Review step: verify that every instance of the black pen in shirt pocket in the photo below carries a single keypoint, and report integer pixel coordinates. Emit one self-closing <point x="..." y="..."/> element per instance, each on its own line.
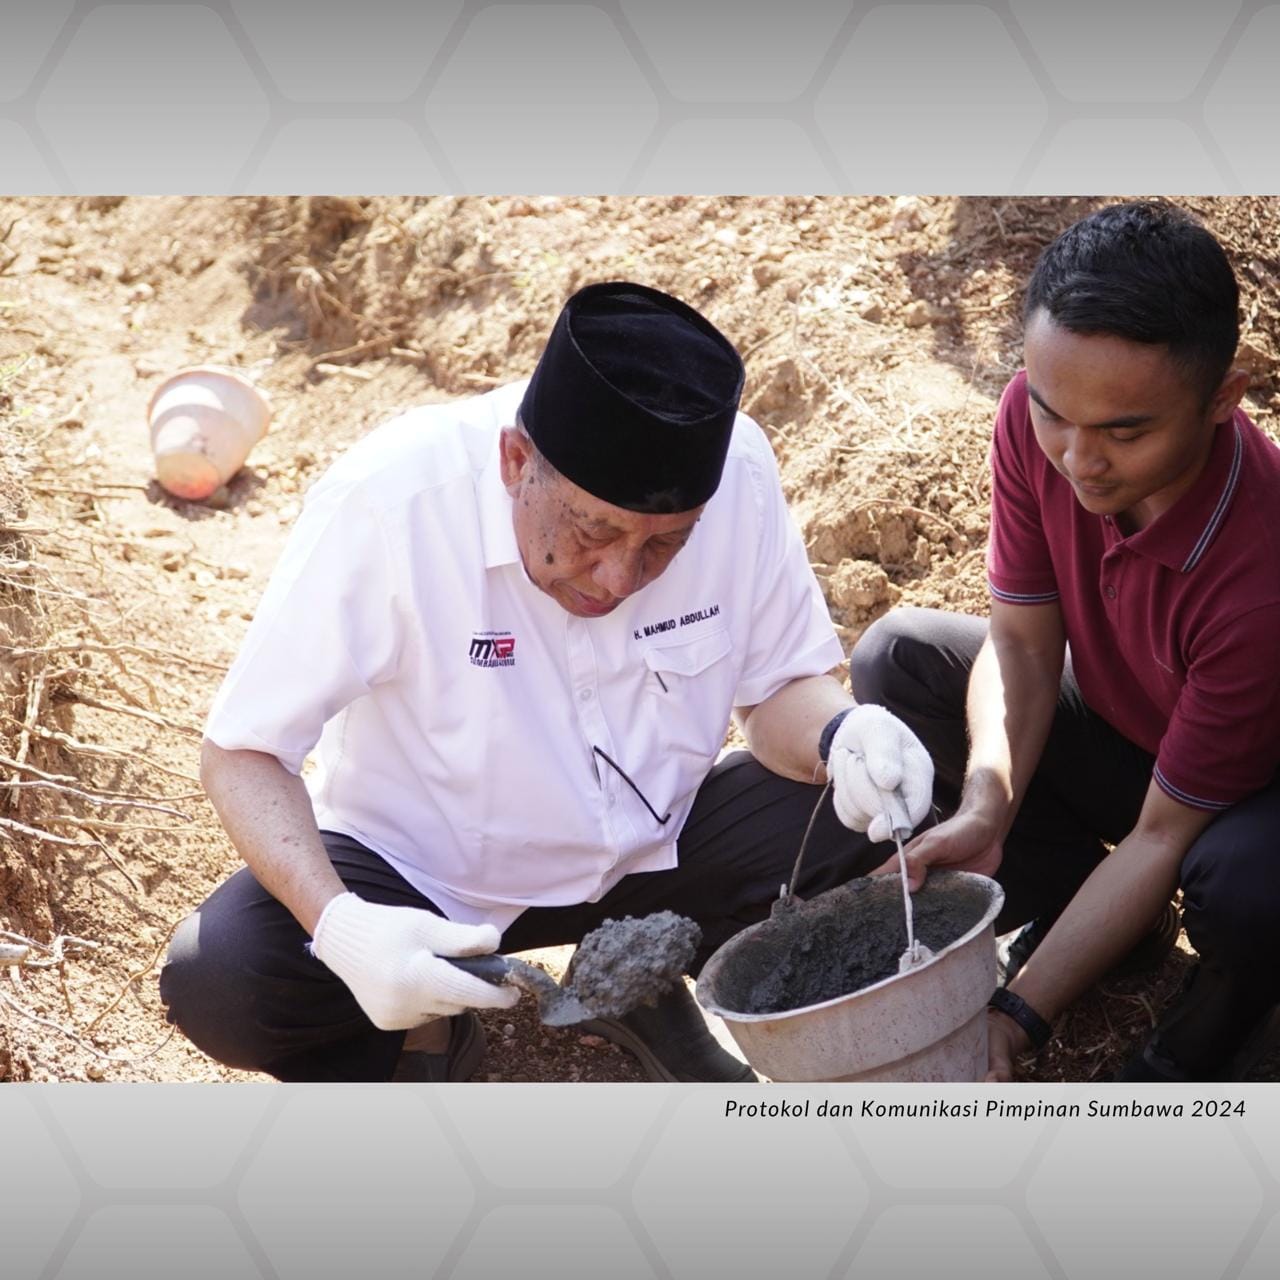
<point x="661" y="820"/>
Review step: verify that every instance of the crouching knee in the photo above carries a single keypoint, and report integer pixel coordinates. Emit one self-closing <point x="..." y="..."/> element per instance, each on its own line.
<point x="1230" y="909"/>
<point x="210" y="994"/>
<point x="881" y="669"/>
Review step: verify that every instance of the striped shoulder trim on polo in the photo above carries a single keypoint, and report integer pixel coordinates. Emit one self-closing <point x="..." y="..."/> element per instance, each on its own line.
<point x="1220" y="511"/>
<point x="1013" y="597"/>
<point x="1185" y="797"/>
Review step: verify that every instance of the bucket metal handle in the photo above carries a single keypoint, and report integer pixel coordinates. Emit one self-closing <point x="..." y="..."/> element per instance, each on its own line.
<point x="896" y="812"/>
<point x="789" y="890"/>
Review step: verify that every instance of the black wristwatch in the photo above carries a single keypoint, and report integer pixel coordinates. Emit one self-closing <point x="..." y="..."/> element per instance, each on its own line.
<point x="1015" y="1007"/>
<point x="829" y="732"/>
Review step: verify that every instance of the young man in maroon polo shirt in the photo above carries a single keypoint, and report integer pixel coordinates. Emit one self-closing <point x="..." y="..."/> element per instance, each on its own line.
<point x="1126" y="691"/>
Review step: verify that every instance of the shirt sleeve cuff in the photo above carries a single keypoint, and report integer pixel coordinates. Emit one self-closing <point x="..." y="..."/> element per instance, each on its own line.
<point x="231" y="737"/>
<point x="817" y="661"/>
<point x="1185" y="794"/>
<point x="1010" y="592"/>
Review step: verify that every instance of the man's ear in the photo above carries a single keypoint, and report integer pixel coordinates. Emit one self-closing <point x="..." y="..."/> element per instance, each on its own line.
<point x="1226" y="400"/>
<point x="515" y="456"/>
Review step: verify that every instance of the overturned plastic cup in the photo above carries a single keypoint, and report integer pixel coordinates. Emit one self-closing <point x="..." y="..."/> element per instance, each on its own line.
<point x="204" y="421"/>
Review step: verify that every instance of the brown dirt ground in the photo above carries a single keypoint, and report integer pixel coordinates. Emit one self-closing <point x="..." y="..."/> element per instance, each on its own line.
<point x="877" y="333"/>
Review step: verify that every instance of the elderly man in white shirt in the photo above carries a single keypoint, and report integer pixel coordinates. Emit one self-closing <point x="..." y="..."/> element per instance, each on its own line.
<point x="514" y="630"/>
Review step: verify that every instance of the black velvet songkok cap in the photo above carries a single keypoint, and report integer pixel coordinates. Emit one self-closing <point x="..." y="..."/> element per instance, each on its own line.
<point x="634" y="398"/>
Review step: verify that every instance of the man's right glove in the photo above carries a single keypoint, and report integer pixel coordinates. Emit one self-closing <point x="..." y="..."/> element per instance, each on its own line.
<point x="873" y="752"/>
<point x="389" y="957"/>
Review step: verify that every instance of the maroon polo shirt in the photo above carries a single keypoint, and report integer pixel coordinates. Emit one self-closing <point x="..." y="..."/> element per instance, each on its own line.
<point x="1174" y="630"/>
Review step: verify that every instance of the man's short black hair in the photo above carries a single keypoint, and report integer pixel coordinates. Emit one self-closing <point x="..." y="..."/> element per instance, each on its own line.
<point x="1149" y="272"/>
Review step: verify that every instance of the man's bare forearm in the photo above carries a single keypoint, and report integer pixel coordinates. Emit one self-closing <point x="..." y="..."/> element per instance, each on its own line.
<point x="1013" y="690"/>
<point x="267" y="813"/>
<point x="783" y="730"/>
<point x="1114" y="907"/>
<point x="1108" y="915"/>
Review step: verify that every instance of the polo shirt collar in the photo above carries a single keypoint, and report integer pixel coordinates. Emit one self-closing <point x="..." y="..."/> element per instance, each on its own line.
<point x="497" y="529"/>
<point x="1179" y="538"/>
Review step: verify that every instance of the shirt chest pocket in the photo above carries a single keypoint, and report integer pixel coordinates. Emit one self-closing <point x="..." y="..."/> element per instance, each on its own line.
<point x="689" y="688"/>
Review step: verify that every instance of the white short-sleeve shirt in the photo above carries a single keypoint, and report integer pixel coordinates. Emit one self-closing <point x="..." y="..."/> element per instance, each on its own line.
<point x="460" y="712"/>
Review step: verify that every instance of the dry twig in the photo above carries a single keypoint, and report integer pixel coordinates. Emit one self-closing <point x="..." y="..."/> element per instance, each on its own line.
<point x="150" y="651"/>
<point x="120" y="1059"/>
<point x="55" y="953"/>
<point x="106" y="801"/>
<point x="107" y="753"/>
<point x="45" y="837"/>
<point x="90" y="493"/>
<point x="99" y="793"/>
<point x="151" y="717"/>
<point x="35" y="693"/>
<point x="134" y="977"/>
<point x="358" y="348"/>
<point x="103" y="824"/>
<point x="915" y="511"/>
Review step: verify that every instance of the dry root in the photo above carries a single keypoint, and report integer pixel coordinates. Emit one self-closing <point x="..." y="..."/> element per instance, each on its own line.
<point x="71" y="785"/>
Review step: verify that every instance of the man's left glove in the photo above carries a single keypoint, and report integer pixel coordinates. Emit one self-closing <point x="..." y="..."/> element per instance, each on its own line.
<point x="872" y="752"/>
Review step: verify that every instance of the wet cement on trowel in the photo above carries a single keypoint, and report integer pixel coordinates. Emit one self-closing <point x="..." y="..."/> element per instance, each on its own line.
<point x="629" y="962"/>
<point x="841" y="941"/>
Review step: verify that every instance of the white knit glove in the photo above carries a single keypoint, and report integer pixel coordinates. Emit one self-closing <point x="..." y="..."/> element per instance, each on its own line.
<point x="872" y="753"/>
<point x="390" y="959"/>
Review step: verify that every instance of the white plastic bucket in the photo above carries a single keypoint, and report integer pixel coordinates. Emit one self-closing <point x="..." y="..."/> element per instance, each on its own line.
<point x="928" y="1024"/>
<point x="204" y="421"/>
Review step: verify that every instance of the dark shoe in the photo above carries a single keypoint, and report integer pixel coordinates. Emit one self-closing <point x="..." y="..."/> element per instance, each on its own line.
<point x="1151" y="1065"/>
<point x="1262" y="1040"/>
<point x="458" y="1062"/>
<point x="1212" y="1031"/>
<point x="671" y="1041"/>
<point x="1148" y="952"/>
<point x="1015" y="949"/>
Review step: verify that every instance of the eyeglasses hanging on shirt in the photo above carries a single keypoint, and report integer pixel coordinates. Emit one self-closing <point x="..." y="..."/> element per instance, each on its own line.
<point x="622" y="773"/>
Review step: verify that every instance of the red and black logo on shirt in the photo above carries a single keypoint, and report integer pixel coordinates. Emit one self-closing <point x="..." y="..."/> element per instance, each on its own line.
<point x="493" y="649"/>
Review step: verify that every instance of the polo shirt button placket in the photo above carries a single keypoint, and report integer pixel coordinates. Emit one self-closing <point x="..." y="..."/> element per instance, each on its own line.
<point x="582" y="668"/>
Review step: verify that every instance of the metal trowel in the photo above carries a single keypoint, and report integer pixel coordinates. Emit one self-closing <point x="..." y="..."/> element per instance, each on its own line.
<point x="895" y="810"/>
<point x="557" y="1006"/>
<point x="618" y="965"/>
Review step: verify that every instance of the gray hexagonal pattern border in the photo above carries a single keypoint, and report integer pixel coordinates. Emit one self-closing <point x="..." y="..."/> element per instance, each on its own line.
<point x="644" y="1180"/>
<point x="623" y="96"/>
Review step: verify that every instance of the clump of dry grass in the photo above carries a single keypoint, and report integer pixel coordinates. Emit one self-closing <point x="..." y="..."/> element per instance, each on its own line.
<point x="24" y="623"/>
<point x="362" y="274"/>
<point x="66" y="799"/>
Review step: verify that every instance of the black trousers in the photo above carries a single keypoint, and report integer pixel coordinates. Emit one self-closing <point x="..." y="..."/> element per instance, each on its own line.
<point x="240" y="982"/>
<point x="1088" y="789"/>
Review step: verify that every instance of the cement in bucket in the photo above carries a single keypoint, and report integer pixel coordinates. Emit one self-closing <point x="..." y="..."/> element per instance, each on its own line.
<point x="928" y="1024"/>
